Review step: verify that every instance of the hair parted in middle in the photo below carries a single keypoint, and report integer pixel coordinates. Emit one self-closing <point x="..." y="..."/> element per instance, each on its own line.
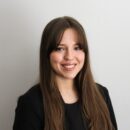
<point x="94" y="108"/>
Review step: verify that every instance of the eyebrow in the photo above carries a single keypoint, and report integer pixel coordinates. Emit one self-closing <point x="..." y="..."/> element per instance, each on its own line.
<point x="62" y="44"/>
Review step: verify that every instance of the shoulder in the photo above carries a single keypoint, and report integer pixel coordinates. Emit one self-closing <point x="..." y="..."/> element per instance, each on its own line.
<point x="101" y="87"/>
<point x="103" y="90"/>
<point x="31" y="100"/>
<point x="34" y="93"/>
<point x="105" y="93"/>
<point x="29" y="111"/>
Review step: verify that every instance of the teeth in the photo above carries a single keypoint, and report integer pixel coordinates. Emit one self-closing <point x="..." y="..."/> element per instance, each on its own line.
<point x="68" y="66"/>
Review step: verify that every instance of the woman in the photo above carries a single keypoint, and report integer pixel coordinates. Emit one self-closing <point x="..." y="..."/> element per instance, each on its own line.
<point x="67" y="97"/>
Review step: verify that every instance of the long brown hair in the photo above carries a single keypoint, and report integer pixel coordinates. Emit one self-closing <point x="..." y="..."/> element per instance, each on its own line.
<point x="94" y="108"/>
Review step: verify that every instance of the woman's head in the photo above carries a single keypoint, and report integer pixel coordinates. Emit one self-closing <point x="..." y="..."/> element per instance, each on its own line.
<point x="67" y="59"/>
<point x="52" y="38"/>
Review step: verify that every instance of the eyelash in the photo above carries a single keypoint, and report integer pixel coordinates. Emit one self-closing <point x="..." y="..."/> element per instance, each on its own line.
<point x="62" y="48"/>
<point x="78" y="48"/>
<point x="59" y="48"/>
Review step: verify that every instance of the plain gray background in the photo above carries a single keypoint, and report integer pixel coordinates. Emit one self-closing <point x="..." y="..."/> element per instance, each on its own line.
<point x="107" y="25"/>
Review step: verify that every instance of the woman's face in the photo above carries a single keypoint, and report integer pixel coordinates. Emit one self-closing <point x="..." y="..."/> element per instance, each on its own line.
<point x="68" y="58"/>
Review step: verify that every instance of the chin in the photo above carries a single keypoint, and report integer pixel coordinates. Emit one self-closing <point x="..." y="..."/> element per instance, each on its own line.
<point x="70" y="77"/>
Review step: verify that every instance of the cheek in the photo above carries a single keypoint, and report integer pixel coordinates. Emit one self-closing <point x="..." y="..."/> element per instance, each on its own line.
<point x="81" y="57"/>
<point x="55" y="58"/>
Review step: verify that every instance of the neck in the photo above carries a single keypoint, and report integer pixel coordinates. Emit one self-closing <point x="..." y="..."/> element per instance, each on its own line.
<point x="67" y="89"/>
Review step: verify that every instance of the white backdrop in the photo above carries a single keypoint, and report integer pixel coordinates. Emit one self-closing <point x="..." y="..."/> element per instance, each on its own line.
<point x="107" y="25"/>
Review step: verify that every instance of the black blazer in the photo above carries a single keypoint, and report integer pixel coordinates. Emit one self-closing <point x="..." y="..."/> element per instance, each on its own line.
<point x="29" y="112"/>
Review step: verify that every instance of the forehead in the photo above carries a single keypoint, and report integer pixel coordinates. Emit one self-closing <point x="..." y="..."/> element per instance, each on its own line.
<point x="69" y="35"/>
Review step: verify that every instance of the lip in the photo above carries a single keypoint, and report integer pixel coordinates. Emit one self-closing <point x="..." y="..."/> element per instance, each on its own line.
<point x="68" y="67"/>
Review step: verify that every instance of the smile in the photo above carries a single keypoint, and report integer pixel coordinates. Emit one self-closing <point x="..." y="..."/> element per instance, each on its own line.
<point x="68" y="67"/>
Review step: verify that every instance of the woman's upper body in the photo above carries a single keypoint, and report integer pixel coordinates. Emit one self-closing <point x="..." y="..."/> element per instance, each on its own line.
<point x="69" y="96"/>
<point x="30" y="114"/>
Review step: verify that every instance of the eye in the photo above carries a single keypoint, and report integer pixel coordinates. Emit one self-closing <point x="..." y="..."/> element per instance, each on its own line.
<point x="59" y="49"/>
<point x="78" y="48"/>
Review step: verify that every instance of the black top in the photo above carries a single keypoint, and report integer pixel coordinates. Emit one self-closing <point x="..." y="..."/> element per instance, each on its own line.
<point x="73" y="116"/>
<point x="29" y="111"/>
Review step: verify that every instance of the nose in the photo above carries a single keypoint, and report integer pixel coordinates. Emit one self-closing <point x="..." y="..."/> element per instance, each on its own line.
<point x="69" y="55"/>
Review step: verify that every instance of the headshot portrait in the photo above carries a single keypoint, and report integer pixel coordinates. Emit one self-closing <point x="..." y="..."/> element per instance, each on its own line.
<point x="64" y="65"/>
